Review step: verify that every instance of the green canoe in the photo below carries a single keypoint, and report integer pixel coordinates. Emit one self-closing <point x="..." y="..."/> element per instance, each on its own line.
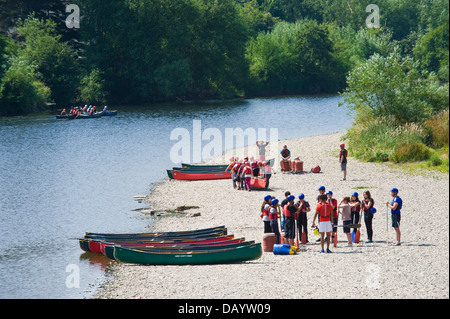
<point x="221" y="256"/>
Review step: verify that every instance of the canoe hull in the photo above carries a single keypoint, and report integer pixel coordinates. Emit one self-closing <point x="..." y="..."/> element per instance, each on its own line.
<point x="258" y="183"/>
<point x="194" y="176"/>
<point x="240" y="254"/>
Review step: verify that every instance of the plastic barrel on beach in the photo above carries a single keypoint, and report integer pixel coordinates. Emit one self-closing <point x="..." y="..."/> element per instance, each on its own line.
<point x="298" y="166"/>
<point x="286" y="166"/>
<point x="269" y="240"/>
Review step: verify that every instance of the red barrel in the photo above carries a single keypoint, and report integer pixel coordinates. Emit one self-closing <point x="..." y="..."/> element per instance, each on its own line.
<point x="269" y="240"/>
<point x="286" y="166"/>
<point x="298" y="166"/>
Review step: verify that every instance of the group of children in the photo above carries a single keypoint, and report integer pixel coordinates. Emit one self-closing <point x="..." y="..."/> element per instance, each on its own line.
<point x="327" y="214"/>
<point x="243" y="170"/>
<point x="87" y="110"/>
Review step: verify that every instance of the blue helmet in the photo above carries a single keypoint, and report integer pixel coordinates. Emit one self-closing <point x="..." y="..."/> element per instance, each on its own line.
<point x="394" y="190"/>
<point x="301" y="196"/>
<point x="373" y="210"/>
<point x="290" y="198"/>
<point x="355" y="194"/>
<point x="275" y="201"/>
<point x="321" y="188"/>
<point x="330" y="192"/>
<point x="267" y="198"/>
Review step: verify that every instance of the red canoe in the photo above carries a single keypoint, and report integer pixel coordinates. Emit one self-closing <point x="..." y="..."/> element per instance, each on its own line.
<point x="97" y="247"/>
<point x="163" y="245"/>
<point x="258" y="183"/>
<point x="183" y="176"/>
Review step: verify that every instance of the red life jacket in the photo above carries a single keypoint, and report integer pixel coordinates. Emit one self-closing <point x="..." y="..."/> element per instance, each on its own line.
<point x="325" y="211"/>
<point x="272" y="216"/>
<point x="247" y="170"/>
<point x="285" y="153"/>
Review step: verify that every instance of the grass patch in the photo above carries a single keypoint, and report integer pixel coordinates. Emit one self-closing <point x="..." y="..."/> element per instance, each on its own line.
<point x="364" y="187"/>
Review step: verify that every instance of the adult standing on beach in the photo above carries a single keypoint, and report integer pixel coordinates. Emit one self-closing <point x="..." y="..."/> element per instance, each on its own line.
<point x="367" y="205"/>
<point x="262" y="150"/>
<point x="324" y="211"/>
<point x="396" y="206"/>
<point x="343" y="160"/>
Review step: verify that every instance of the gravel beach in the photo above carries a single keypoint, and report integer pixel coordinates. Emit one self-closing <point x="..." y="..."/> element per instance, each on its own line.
<point x="419" y="268"/>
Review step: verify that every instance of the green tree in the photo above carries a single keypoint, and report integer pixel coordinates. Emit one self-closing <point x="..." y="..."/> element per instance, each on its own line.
<point x="394" y="86"/>
<point x="56" y="62"/>
<point x="293" y="58"/>
<point x="92" y="89"/>
<point x="20" y="90"/>
<point x="432" y="50"/>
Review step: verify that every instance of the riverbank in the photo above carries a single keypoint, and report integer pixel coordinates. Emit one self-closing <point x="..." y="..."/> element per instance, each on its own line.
<point x="416" y="269"/>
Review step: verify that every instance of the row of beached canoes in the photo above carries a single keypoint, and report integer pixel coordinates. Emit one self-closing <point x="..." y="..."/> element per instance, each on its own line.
<point x="210" y="172"/>
<point x="205" y="246"/>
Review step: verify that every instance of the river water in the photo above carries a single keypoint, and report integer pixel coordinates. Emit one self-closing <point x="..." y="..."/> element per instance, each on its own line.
<point x="59" y="179"/>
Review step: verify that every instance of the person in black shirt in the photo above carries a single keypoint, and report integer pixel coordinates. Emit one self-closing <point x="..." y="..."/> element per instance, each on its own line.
<point x="343" y="160"/>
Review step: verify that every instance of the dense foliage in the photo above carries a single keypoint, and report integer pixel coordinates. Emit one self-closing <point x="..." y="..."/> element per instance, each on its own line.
<point x="394" y="78"/>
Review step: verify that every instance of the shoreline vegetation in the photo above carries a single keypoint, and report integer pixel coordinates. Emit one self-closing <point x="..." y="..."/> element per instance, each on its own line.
<point x="394" y="78"/>
<point x="364" y="271"/>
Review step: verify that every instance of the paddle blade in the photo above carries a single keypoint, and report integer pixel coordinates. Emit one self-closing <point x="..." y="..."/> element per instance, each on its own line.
<point x="335" y="239"/>
<point x="353" y="236"/>
<point x="357" y="236"/>
<point x="304" y="238"/>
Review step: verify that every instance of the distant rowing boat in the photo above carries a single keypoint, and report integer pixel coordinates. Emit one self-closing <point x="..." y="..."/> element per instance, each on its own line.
<point x="86" y="116"/>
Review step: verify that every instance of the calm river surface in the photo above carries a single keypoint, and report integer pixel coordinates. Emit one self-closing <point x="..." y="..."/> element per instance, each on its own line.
<point x="59" y="179"/>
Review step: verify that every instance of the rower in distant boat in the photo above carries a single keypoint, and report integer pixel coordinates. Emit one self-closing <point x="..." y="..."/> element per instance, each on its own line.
<point x="64" y="112"/>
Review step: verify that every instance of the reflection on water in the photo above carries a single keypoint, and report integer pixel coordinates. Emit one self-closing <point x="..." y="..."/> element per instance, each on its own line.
<point x="59" y="179"/>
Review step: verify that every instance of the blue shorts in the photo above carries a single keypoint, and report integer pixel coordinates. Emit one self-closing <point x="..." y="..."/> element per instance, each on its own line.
<point x="396" y="218"/>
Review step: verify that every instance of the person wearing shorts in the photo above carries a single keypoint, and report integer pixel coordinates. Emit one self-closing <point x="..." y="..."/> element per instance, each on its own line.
<point x="345" y="211"/>
<point x="343" y="160"/>
<point x="325" y="212"/>
<point x="396" y="205"/>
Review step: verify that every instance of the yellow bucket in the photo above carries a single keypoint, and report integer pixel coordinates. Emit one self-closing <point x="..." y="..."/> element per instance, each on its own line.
<point x="316" y="231"/>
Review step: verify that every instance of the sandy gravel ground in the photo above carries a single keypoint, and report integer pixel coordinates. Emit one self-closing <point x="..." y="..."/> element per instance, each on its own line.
<point x="419" y="268"/>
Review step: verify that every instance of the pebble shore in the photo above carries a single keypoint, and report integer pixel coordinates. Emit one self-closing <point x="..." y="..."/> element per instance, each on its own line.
<point x="419" y="268"/>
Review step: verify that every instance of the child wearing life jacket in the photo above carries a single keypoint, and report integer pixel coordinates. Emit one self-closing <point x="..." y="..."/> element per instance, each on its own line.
<point x="325" y="212"/>
<point x="274" y="215"/>
<point x="333" y="202"/>
<point x="265" y="210"/>
<point x="367" y="205"/>
<point x="247" y="173"/>
<point x="289" y="227"/>
<point x="355" y="203"/>
<point x="302" y="220"/>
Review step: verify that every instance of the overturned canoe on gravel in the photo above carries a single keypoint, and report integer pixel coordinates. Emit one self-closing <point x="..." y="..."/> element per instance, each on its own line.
<point x="204" y="257"/>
